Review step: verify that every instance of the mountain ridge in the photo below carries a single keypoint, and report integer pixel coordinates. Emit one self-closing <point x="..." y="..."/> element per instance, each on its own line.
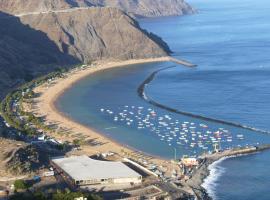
<point x="114" y="35"/>
<point x="138" y="8"/>
<point x="34" y="45"/>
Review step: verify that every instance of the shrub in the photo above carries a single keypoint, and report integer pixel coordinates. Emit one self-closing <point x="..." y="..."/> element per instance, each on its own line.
<point x="20" y="184"/>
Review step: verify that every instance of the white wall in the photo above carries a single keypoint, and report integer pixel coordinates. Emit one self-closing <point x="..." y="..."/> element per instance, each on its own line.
<point x="128" y="180"/>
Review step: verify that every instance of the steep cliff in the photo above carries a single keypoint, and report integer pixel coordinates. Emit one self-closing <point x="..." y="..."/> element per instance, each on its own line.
<point x="150" y="8"/>
<point x="97" y="33"/>
<point x="47" y="34"/>
<point x="141" y="8"/>
<point x="36" y="44"/>
<point x="25" y="53"/>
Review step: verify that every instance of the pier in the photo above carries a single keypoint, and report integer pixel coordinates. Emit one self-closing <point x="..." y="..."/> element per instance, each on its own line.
<point x="182" y="62"/>
<point x="235" y="152"/>
<point x="193" y="185"/>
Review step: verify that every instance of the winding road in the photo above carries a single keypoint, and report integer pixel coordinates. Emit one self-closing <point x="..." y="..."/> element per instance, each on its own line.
<point x="54" y="11"/>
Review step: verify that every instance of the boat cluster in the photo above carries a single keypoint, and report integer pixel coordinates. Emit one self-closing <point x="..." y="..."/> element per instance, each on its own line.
<point x="189" y="135"/>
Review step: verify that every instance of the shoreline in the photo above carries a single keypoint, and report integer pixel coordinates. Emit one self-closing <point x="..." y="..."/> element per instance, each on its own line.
<point x="203" y="172"/>
<point x="48" y="98"/>
<point x="45" y="106"/>
<point x="213" y="176"/>
<point x="125" y="146"/>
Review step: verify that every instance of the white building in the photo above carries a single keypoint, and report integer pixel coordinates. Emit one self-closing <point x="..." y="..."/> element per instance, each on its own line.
<point x="82" y="170"/>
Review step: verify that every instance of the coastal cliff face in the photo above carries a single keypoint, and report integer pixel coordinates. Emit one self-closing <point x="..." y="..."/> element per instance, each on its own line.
<point x="25" y="53"/>
<point x="97" y="33"/>
<point x="140" y="8"/>
<point x="152" y="8"/>
<point x="36" y="44"/>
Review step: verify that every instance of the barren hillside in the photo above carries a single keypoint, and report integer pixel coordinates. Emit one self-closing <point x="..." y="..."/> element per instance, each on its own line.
<point x="141" y="8"/>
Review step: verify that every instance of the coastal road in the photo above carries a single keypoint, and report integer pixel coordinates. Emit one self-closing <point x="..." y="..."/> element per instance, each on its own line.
<point x="4" y="16"/>
<point x="54" y="11"/>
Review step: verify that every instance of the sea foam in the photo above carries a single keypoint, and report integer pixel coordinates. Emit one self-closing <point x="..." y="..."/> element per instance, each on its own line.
<point x="215" y="172"/>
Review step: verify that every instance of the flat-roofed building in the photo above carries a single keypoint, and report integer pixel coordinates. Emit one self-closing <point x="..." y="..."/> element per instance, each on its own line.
<point x="82" y="170"/>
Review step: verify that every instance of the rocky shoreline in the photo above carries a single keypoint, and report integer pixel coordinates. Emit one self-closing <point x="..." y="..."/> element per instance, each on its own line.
<point x="202" y="171"/>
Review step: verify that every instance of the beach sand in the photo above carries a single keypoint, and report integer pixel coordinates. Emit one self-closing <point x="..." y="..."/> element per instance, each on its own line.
<point x="44" y="105"/>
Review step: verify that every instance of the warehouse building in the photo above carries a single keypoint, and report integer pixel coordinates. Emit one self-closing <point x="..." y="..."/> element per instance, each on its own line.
<point x="82" y="170"/>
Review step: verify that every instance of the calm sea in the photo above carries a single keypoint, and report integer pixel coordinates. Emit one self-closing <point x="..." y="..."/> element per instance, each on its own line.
<point x="230" y="42"/>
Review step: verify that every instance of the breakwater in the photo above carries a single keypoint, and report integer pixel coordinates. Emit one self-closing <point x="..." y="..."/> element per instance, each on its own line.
<point x="150" y="78"/>
<point x="202" y="171"/>
<point x="182" y="62"/>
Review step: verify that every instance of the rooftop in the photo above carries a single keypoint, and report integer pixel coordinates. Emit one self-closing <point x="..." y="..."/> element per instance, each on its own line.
<point x="85" y="168"/>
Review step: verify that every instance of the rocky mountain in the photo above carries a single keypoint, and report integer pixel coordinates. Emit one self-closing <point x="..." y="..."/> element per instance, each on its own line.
<point x="149" y="8"/>
<point x="38" y="43"/>
<point x="37" y="36"/>
<point x="25" y="53"/>
<point x="139" y="8"/>
<point x="97" y="33"/>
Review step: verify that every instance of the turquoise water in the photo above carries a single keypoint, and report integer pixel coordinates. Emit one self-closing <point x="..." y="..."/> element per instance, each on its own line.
<point x="115" y="91"/>
<point x="230" y="43"/>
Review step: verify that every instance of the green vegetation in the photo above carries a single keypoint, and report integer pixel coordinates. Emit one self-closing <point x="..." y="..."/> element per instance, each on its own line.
<point x="39" y="196"/>
<point x="67" y="195"/>
<point x="63" y="146"/>
<point x="59" y="195"/>
<point x="25" y="160"/>
<point x="78" y="142"/>
<point x="10" y="107"/>
<point x="21" y="185"/>
<point x="11" y="114"/>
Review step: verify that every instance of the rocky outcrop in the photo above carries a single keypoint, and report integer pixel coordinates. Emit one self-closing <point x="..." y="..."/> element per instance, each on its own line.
<point x="140" y="8"/>
<point x="25" y="53"/>
<point x="33" y="45"/>
<point x="151" y="8"/>
<point x="98" y="33"/>
<point x="37" y="43"/>
<point x="22" y="160"/>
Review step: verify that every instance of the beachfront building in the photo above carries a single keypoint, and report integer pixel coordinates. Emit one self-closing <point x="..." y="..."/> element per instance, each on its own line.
<point x="190" y="162"/>
<point x="82" y="171"/>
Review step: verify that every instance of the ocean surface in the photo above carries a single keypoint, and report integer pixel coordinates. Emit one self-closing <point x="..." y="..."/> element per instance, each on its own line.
<point x="230" y="42"/>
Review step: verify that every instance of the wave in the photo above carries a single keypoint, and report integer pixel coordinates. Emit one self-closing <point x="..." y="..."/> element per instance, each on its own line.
<point x="215" y="172"/>
<point x="141" y="92"/>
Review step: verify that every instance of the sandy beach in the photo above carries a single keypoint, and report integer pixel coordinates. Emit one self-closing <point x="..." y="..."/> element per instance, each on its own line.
<point x="44" y="106"/>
